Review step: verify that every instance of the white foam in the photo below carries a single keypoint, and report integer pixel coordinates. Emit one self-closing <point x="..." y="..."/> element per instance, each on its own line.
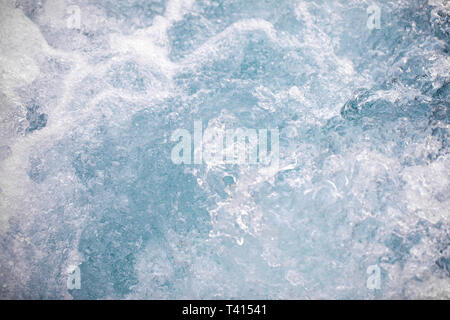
<point x="20" y="42"/>
<point x="427" y="189"/>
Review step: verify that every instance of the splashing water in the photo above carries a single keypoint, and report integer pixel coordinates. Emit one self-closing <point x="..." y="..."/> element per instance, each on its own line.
<point x="91" y="91"/>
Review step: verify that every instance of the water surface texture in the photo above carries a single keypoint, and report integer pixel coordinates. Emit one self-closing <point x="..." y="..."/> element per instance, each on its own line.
<point x="91" y="92"/>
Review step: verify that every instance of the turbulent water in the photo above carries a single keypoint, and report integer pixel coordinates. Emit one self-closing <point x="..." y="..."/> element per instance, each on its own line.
<point x="91" y="92"/>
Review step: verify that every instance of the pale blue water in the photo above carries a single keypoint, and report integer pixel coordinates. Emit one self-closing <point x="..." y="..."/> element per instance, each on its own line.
<point x="86" y="177"/>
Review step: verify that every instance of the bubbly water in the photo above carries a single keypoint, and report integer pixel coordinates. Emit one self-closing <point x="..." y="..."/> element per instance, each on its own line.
<point x="91" y="91"/>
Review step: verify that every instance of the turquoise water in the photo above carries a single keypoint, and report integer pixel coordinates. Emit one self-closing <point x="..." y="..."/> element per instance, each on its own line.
<point x="86" y="178"/>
